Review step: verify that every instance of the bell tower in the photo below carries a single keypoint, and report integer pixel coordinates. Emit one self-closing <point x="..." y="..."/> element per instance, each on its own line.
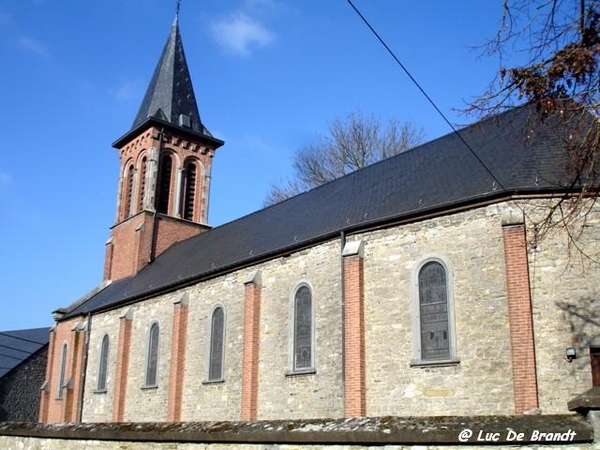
<point x="165" y="166"/>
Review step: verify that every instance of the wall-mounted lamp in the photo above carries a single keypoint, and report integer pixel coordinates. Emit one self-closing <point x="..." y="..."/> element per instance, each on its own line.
<point x="570" y="354"/>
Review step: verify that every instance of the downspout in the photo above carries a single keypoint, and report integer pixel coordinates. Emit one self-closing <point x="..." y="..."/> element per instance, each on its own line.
<point x="86" y="350"/>
<point x="343" y="289"/>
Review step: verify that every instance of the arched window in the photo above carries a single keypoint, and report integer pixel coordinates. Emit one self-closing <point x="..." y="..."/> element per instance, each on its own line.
<point x="142" y="183"/>
<point x="189" y="190"/>
<point x="303" y="329"/>
<point x="152" y="361"/>
<point x="217" y="341"/>
<point x="103" y="365"/>
<point x="434" y="313"/>
<point x="163" y="195"/>
<point x="62" y="371"/>
<point x="127" y="206"/>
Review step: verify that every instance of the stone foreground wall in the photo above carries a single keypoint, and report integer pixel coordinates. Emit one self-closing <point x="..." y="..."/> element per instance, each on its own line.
<point x="556" y="431"/>
<point x="20" y="389"/>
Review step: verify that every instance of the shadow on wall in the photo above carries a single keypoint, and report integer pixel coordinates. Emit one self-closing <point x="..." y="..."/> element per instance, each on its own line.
<point x="584" y="320"/>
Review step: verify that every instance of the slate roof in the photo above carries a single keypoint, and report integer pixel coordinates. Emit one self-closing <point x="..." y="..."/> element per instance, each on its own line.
<point x="170" y="95"/>
<point x="525" y="157"/>
<point x="18" y="345"/>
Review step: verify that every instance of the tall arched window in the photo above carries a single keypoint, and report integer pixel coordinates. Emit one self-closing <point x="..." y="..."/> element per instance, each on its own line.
<point x="62" y="371"/>
<point x="163" y="195"/>
<point x="434" y="312"/>
<point x="103" y="365"/>
<point x="303" y="329"/>
<point x="142" y="183"/>
<point x="152" y="361"/>
<point x="128" y="195"/>
<point x="217" y="341"/>
<point x="189" y="190"/>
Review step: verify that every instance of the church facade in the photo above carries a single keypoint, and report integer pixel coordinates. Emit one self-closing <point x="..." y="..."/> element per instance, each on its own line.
<point x="418" y="286"/>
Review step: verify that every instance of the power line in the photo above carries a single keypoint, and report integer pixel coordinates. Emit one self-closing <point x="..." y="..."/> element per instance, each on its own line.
<point x="389" y="50"/>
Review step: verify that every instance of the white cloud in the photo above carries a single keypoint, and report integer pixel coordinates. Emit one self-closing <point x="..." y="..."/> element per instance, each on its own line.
<point x="241" y="34"/>
<point x="34" y="46"/>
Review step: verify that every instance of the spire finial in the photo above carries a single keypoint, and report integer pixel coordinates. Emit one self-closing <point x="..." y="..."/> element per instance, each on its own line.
<point x="177" y="8"/>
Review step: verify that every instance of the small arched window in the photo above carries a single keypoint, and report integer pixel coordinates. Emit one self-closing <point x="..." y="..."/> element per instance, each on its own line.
<point x="62" y="371"/>
<point x="303" y="329"/>
<point x="434" y="312"/>
<point x="217" y="341"/>
<point x="103" y="365"/>
<point x="189" y="190"/>
<point x="142" y="190"/>
<point x="152" y="361"/>
<point x="163" y="195"/>
<point x="128" y="204"/>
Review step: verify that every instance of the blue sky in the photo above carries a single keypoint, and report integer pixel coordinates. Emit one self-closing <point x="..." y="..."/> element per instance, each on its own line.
<point x="269" y="75"/>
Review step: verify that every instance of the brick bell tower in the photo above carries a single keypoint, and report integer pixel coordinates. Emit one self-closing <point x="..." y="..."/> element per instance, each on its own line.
<point x="165" y="167"/>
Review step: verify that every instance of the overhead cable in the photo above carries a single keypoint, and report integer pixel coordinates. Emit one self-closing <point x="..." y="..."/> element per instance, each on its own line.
<point x="416" y="83"/>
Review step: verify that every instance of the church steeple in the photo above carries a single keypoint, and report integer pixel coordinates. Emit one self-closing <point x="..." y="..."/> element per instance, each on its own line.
<point x="170" y="98"/>
<point x="166" y="160"/>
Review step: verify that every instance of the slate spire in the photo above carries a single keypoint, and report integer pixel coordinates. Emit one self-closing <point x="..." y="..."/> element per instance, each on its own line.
<point x="170" y="96"/>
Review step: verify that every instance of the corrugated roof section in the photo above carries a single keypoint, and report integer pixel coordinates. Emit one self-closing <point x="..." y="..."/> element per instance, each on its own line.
<point x="18" y="345"/>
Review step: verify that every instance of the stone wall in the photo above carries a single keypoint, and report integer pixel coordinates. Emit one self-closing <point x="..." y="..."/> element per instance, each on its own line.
<point x="565" y="292"/>
<point x="480" y="382"/>
<point x="391" y="433"/>
<point x="477" y="380"/>
<point x="20" y="389"/>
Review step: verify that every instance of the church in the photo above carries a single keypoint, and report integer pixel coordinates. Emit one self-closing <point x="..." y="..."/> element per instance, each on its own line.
<point x="418" y="286"/>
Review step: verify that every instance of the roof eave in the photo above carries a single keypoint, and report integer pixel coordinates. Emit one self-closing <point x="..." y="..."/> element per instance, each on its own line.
<point x="152" y="121"/>
<point x="432" y="211"/>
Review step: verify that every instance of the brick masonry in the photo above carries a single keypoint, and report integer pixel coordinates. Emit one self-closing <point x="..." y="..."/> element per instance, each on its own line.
<point x="139" y="234"/>
<point x="480" y="381"/>
<point x="520" y="317"/>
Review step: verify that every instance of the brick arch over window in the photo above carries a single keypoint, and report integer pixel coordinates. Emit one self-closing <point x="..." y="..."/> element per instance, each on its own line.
<point x="103" y="365"/>
<point x="435" y="334"/>
<point x="142" y="181"/>
<point x="303" y="329"/>
<point x="216" y="353"/>
<point x="151" y="379"/>
<point x="128" y="187"/>
<point x="191" y="189"/>
<point x="166" y="175"/>
<point x="62" y="369"/>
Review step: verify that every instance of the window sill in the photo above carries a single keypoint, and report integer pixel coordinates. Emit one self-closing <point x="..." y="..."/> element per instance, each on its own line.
<point x="221" y="381"/>
<point x="435" y="363"/>
<point x="144" y="388"/>
<point x="99" y="391"/>
<point x="294" y="373"/>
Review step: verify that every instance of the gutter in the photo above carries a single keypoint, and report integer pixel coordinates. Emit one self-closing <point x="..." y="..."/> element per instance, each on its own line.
<point x="361" y="227"/>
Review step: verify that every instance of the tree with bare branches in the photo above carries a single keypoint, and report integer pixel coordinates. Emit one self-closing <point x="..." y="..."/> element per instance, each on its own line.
<point x="560" y="76"/>
<point x="354" y="142"/>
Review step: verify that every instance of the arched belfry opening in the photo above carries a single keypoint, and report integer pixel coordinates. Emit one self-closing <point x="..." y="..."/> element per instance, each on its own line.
<point x="166" y="160"/>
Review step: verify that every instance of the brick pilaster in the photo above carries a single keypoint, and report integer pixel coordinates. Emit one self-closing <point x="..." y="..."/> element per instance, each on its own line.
<point x="123" y="352"/>
<point x="78" y="375"/>
<point x="178" y="347"/>
<point x="355" y="401"/>
<point x="252" y="299"/>
<point x="520" y="315"/>
<point x="46" y="388"/>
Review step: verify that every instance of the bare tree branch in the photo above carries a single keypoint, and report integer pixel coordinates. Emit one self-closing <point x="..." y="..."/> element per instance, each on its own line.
<point x="354" y="142"/>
